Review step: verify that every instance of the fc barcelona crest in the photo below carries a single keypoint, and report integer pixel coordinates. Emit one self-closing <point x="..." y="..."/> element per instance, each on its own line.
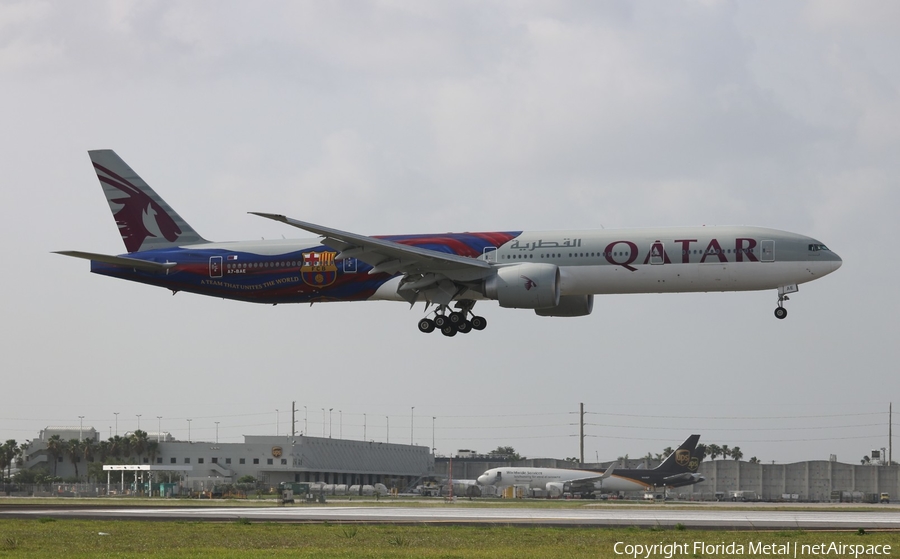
<point x="682" y="457"/>
<point x="318" y="269"/>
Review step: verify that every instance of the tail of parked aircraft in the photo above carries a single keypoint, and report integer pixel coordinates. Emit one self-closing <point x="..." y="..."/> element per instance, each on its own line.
<point x="145" y="220"/>
<point x="681" y="460"/>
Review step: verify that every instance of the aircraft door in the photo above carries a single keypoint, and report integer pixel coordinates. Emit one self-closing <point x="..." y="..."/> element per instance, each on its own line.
<point x="489" y="254"/>
<point x="767" y="251"/>
<point x="657" y="253"/>
<point x="215" y="266"/>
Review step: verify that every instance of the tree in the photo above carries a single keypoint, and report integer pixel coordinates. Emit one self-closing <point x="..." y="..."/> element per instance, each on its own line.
<point x="667" y="452"/>
<point x="736" y="453"/>
<point x="726" y="452"/>
<point x="8" y="452"/>
<point x="73" y="451"/>
<point x="55" y="448"/>
<point x="508" y="452"/>
<point x="754" y="460"/>
<point x="139" y="442"/>
<point x="714" y="451"/>
<point x="246" y="479"/>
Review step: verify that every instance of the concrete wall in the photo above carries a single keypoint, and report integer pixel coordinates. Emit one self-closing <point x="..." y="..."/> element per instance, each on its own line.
<point x="812" y="481"/>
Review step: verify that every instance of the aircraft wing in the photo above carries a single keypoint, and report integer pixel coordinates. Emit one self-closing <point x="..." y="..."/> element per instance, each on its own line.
<point x="591" y="480"/>
<point x="136" y="263"/>
<point x="434" y="275"/>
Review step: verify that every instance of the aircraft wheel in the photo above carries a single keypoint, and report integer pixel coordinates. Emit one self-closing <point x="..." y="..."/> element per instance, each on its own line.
<point x="457" y="318"/>
<point x="426" y="325"/>
<point x="479" y="323"/>
<point x="464" y="327"/>
<point x="448" y="330"/>
<point x="440" y="321"/>
<point x="780" y="313"/>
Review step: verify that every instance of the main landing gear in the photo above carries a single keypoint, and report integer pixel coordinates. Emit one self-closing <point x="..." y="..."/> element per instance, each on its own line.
<point x="451" y="323"/>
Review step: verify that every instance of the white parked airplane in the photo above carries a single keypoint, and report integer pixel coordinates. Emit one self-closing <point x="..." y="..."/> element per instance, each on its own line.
<point x="678" y="469"/>
<point x="554" y="273"/>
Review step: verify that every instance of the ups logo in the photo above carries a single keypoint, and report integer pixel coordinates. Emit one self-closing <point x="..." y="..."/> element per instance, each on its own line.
<point x="682" y="457"/>
<point x="276" y="451"/>
<point x="694" y="464"/>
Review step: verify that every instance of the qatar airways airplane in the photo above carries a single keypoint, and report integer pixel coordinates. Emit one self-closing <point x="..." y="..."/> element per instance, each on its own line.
<point x="678" y="469"/>
<point x="553" y="273"/>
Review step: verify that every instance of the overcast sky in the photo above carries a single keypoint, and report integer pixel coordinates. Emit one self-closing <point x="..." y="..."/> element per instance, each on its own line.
<point x="414" y="117"/>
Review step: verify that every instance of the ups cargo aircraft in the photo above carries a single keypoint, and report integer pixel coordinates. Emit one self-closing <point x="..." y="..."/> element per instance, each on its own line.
<point x="554" y="273"/>
<point x="680" y="468"/>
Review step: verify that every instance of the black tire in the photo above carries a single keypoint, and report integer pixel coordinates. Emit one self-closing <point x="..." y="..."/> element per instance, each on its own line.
<point x="441" y="320"/>
<point x="781" y="313"/>
<point x="448" y="330"/>
<point x="464" y="327"/>
<point x="457" y="318"/>
<point x="479" y="323"/>
<point x="426" y="325"/>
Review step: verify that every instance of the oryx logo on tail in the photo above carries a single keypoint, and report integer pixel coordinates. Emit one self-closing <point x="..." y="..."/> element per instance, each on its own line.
<point x="144" y="219"/>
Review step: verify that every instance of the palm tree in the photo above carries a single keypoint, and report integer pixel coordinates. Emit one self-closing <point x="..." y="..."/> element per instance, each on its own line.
<point x="726" y="452"/>
<point x="56" y="447"/>
<point x="667" y="452"/>
<point x="73" y="451"/>
<point x="104" y="449"/>
<point x="713" y="450"/>
<point x="754" y="460"/>
<point x="88" y="448"/>
<point x="736" y="453"/>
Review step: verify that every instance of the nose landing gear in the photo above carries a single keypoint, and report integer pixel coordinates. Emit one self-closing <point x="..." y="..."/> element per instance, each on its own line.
<point x="780" y="311"/>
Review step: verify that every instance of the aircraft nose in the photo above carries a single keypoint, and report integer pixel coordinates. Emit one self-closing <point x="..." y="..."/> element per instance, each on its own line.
<point x="836" y="263"/>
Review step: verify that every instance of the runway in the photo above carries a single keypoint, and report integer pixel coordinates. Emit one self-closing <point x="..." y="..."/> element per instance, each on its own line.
<point x="456" y="514"/>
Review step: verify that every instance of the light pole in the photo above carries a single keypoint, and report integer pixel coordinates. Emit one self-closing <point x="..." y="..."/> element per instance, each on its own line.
<point x="433" y="447"/>
<point x="217" y="432"/>
<point x="189" y="430"/>
<point x="305" y="418"/>
<point x="158" y="427"/>
<point x="341" y="424"/>
<point x="388" y="419"/>
<point x="80" y="427"/>
<point x="412" y="418"/>
<point x="364" y="426"/>
<point x="323" y="422"/>
<point x="115" y="413"/>
<point x="329" y="422"/>
<point x="276" y="422"/>
<point x="139" y="421"/>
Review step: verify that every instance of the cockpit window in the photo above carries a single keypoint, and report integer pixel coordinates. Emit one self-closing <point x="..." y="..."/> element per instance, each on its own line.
<point x="816" y="248"/>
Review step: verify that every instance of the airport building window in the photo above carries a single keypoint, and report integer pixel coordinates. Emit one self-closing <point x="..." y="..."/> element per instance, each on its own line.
<point x="228" y="460"/>
<point x="187" y="460"/>
<point x="269" y="461"/>
<point x="159" y="459"/>
<point x="242" y="461"/>
<point x="284" y="461"/>
<point x="172" y="460"/>
<point x="214" y="460"/>
<point x="256" y="460"/>
<point x="199" y="460"/>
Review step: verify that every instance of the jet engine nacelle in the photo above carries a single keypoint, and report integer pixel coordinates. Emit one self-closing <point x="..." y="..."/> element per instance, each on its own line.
<point x="570" y="305"/>
<point x="555" y="488"/>
<point x="525" y="286"/>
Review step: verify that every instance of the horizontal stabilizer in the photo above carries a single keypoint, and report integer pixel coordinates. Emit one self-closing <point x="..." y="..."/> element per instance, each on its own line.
<point x="144" y="265"/>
